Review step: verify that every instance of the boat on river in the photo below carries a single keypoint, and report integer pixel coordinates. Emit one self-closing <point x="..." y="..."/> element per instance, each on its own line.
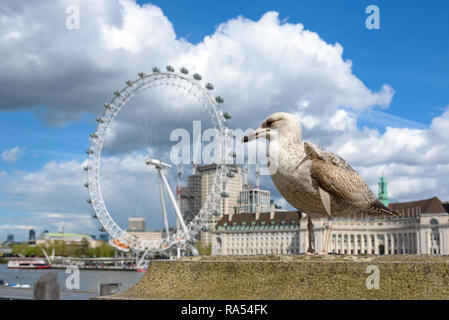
<point x="35" y="263"/>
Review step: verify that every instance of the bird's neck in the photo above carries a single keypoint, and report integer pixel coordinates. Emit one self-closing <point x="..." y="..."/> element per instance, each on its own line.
<point x="285" y="148"/>
<point x="287" y="139"/>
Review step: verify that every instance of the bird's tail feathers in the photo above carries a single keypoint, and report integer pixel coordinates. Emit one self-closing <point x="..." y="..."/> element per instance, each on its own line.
<point x="379" y="209"/>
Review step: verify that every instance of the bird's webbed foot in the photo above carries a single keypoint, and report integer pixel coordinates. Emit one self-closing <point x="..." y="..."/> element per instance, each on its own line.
<point x="310" y="252"/>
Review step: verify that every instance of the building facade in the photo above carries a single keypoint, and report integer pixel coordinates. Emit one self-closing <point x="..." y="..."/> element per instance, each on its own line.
<point x="31" y="237"/>
<point x="422" y="228"/>
<point x="274" y="232"/>
<point x="233" y="187"/>
<point x="190" y="204"/>
<point x="68" y="238"/>
<point x="136" y="224"/>
<point x="227" y="204"/>
<point x="253" y="199"/>
<point x="149" y="235"/>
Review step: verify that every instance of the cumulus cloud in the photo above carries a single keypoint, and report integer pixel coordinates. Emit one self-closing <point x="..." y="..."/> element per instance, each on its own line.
<point x="12" y="155"/>
<point x="259" y="67"/>
<point x="73" y="71"/>
<point x="397" y="145"/>
<point x="415" y="161"/>
<point x="17" y="227"/>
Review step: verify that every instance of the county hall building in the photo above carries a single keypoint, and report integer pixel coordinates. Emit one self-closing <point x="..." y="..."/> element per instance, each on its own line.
<point x="421" y="228"/>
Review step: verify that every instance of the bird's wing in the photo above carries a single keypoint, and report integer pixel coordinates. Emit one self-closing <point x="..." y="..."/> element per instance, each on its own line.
<point x="335" y="176"/>
<point x="315" y="152"/>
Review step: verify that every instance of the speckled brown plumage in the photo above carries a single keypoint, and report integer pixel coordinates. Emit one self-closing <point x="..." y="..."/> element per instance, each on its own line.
<point x="304" y="168"/>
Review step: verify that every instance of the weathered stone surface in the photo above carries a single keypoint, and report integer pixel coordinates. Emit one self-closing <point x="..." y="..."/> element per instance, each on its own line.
<point x="293" y="277"/>
<point x="47" y="287"/>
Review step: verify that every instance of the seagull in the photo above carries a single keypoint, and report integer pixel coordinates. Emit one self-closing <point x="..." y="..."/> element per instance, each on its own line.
<point x="313" y="180"/>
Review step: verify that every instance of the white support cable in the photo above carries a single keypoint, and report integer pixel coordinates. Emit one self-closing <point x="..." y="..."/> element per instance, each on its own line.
<point x="164" y="210"/>
<point x="143" y="258"/>
<point x="175" y="206"/>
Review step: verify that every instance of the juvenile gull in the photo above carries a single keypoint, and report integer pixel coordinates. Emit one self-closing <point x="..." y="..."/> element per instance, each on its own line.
<point x="313" y="180"/>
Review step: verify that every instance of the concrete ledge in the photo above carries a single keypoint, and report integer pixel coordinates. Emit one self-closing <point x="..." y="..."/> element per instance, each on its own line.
<point x="293" y="277"/>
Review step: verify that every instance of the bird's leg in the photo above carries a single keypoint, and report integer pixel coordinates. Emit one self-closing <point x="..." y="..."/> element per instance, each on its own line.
<point x="326" y="199"/>
<point x="328" y="236"/>
<point x="310" y="230"/>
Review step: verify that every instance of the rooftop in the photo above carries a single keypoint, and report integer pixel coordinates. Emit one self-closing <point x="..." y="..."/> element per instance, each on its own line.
<point x="446" y="205"/>
<point x="426" y="206"/>
<point x="248" y="221"/>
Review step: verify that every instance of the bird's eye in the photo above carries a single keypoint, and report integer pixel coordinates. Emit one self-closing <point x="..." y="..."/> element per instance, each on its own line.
<point x="269" y="123"/>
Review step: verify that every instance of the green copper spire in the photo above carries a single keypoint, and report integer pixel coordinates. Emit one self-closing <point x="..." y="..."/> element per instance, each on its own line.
<point x="383" y="192"/>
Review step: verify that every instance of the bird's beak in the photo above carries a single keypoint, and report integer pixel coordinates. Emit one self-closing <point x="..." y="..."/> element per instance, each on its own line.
<point x="259" y="133"/>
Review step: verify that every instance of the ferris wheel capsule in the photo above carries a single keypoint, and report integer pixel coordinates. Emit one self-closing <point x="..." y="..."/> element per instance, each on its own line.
<point x="209" y="86"/>
<point x="86" y="185"/>
<point x="107" y="105"/>
<point x="232" y="154"/>
<point x="117" y="93"/>
<point x="170" y="68"/>
<point x="128" y="82"/>
<point x="219" y="99"/>
<point x="141" y="75"/>
<point x="89" y="201"/>
<point x="225" y="194"/>
<point x="234" y="169"/>
<point x="156" y="70"/>
<point x="227" y="115"/>
<point x="94" y="216"/>
<point x="230" y="174"/>
<point x="184" y="70"/>
<point x="196" y="76"/>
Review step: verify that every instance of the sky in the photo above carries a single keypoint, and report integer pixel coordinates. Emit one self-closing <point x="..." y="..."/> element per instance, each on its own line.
<point x="377" y="97"/>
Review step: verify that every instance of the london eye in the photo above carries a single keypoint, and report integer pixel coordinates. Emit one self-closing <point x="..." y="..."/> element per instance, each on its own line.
<point x="129" y="168"/>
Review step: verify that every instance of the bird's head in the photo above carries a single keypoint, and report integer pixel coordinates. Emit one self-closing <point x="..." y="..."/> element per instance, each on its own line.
<point x="278" y="124"/>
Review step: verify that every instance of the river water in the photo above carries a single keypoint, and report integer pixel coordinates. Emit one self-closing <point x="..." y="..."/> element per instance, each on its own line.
<point x="89" y="280"/>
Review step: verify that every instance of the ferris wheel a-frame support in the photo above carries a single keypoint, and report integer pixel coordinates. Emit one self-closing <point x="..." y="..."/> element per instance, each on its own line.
<point x="160" y="166"/>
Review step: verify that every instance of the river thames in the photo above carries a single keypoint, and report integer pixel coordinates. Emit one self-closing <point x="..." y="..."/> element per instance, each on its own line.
<point x="90" y="281"/>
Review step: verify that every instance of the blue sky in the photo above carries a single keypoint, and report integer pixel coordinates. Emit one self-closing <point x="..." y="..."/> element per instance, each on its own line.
<point x="409" y="54"/>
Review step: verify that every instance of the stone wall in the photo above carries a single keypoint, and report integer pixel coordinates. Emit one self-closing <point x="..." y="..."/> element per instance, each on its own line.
<point x="294" y="277"/>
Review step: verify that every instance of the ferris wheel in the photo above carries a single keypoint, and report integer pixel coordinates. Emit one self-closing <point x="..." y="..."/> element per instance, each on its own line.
<point x="185" y="232"/>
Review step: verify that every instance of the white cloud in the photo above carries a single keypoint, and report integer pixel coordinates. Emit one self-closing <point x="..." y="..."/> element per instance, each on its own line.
<point x="415" y="161"/>
<point x="397" y="145"/>
<point x="13" y="154"/>
<point x="256" y="65"/>
<point x="16" y="227"/>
